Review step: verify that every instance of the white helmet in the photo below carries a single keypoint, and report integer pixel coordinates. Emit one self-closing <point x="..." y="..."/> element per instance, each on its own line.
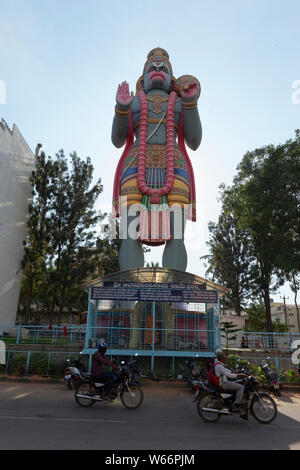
<point x="220" y="354"/>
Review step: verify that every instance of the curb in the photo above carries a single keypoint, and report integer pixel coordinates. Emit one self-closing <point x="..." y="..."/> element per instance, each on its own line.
<point x="144" y="383"/>
<point x="287" y="387"/>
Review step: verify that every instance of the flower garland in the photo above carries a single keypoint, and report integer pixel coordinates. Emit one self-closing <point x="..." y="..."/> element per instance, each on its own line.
<point x="156" y="193"/>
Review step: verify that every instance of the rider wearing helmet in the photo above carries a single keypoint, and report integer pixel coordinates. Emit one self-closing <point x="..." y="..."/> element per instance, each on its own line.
<point x="226" y="377"/>
<point x="98" y="372"/>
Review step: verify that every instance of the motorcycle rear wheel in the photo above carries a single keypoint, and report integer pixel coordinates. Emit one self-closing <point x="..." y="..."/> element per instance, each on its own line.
<point x="85" y="389"/>
<point x="207" y="401"/>
<point x="132" y="399"/>
<point x="267" y="415"/>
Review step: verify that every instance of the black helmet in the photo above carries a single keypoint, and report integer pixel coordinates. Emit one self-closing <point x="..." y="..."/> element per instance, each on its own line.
<point x="102" y="347"/>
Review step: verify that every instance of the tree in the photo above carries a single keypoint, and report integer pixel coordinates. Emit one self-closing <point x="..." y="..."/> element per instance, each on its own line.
<point x="61" y="237"/>
<point x="263" y="206"/>
<point x="108" y="247"/>
<point x="228" y="329"/>
<point x="72" y="218"/>
<point x="229" y="258"/>
<point x="266" y="202"/>
<point x="36" y="245"/>
<point x="294" y="278"/>
<point x="256" y="320"/>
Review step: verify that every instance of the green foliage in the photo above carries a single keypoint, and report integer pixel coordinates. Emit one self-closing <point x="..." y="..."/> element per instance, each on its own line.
<point x="60" y="248"/>
<point x="289" y="376"/>
<point x="229" y="258"/>
<point x="257" y="320"/>
<point x="262" y="207"/>
<point x="17" y="364"/>
<point x="108" y="247"/>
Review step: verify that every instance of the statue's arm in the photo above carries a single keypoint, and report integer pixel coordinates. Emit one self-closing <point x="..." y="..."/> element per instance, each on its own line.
<point x="121" y="119"/>
<point x="192" y="128"/>
<point x="119" y="130"/>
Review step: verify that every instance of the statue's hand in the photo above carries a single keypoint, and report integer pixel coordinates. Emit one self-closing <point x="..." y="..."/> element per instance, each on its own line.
<point x="124" y="97"/>
<point x="189" y="91"/>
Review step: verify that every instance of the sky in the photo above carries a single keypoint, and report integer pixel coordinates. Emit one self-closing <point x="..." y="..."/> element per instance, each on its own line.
<point x="62" y="60"/>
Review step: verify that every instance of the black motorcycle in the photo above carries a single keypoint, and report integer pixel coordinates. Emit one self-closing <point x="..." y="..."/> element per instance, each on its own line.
<point x="271" y="376"/>
<point x="134" y="370"/>
<point x="216" y="403"/>
<point x="90" y="391"/>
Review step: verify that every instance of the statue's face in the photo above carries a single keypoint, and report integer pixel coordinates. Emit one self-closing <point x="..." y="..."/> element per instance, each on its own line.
<point x="157" y="76"/>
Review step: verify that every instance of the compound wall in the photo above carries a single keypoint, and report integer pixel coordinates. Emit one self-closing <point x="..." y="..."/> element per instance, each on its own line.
<point x="16" y="165"/>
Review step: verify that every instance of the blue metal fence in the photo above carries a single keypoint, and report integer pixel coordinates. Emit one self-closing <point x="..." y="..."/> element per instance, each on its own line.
<point x="181" y="337"/>
<point x="43" y="334"/>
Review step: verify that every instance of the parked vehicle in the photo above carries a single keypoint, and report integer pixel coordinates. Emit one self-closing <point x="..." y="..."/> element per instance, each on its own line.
<point x="214" y="404"/>
<point x="194" y="378"/>
<point x="89" y="392"/>
<point x="73" y="371"/>
<point x="271" y="376"/>
<point x="193" y="371"/>
<point x="134" y="370"/>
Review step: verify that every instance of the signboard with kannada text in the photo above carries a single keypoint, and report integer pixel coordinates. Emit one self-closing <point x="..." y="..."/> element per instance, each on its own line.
<point x="154" y="292"/>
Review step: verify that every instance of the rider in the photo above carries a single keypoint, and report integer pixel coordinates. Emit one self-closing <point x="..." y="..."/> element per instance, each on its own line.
<point x="226" y="376"/>
<point x="98" y="372"/>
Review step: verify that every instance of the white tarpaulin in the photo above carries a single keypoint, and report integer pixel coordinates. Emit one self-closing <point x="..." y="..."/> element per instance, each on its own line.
<point x="16" y="165"/>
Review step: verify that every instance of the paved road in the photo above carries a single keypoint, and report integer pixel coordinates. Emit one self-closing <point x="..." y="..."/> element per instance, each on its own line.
<point x="45" y="416"/>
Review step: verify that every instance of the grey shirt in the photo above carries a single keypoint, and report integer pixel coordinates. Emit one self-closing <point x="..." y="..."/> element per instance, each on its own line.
<point x="223" y="373"/>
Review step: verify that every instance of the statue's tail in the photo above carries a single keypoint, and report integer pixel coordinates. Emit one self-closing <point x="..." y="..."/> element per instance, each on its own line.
<point x="116" y="189"/>
<point x="182" y="148"/>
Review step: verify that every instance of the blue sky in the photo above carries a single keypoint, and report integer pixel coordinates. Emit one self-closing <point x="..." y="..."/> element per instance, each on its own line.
<point x="62" y="61"/>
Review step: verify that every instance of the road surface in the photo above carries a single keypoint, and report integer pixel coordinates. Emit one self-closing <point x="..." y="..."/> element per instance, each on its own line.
<point x="46" y="416"/>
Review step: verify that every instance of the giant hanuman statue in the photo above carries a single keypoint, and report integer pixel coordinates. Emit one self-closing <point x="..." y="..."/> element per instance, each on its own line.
<point x="154" y="181"/>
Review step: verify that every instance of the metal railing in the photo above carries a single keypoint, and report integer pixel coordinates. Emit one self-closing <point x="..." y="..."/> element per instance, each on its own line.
<point x="175" y="339"/>
<point x="52" y="364"/>
<point x="43" y="334"/>
<point x="261" y="340"/>
<point x="181" y="338"/>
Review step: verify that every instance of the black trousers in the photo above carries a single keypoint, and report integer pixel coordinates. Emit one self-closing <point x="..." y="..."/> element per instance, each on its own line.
<point x="106" y="377"/>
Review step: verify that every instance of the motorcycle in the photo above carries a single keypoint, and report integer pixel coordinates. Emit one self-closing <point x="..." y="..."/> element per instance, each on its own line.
<point x="134" y="371"/>
<point x="90" y="391"/>
<point x="194" y="378"/>
<point x="271" y="376"/>
<point x="216" y="403"/>
<point x="73" y="371"/>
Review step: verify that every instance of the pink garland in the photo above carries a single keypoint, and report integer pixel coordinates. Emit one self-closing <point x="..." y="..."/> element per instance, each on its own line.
<point x="141" y="176"/>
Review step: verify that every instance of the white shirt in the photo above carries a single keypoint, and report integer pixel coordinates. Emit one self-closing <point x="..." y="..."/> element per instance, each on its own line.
<point x="223" y="373"/>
